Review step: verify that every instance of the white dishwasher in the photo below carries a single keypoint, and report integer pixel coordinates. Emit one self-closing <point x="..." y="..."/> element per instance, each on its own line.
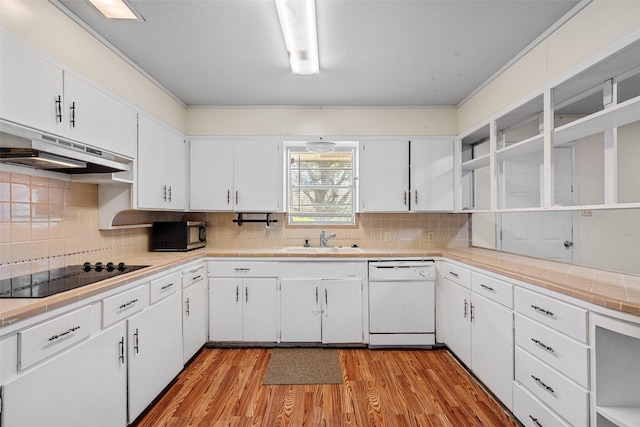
<point x="402" y="303"/>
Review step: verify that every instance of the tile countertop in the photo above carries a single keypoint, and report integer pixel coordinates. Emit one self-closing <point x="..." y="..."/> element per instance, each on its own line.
<point x="608" y="289"/>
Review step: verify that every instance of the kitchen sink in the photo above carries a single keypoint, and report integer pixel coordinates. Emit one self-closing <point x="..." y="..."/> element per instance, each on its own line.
<point x="321" y="250"/>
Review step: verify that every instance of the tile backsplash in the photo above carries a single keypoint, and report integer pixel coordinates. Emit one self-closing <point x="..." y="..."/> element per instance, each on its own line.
<point x="391" y="231"/>
<point x="48" y="223"/>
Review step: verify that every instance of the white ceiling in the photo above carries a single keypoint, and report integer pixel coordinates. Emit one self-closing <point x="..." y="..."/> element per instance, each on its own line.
<point x="372" y="52"/>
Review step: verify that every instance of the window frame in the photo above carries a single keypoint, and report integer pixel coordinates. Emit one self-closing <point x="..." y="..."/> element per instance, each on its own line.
<point x="299" y="146"/>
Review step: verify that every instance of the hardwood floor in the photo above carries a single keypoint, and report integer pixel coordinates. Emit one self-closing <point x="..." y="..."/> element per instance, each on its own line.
<point x="223" y="387"/>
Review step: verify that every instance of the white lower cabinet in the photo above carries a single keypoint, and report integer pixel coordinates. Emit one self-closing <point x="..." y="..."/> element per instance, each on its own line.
<point x="477" y="327"/>
<point x="195" y="311"/>
<point x="317" y="310"/>
<point x="155" y="351"/>
<point x="243" y="309"/>
<point x="84" y="386"/>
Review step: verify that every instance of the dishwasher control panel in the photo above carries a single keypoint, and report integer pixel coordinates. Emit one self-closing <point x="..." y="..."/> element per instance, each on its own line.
<point x="401" y="270"/>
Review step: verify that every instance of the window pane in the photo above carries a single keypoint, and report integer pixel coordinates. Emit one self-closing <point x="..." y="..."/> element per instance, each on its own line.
<point x="321" y="187"/>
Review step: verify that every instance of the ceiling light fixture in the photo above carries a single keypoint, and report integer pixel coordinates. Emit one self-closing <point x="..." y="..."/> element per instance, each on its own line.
<point x="298" y="24"/>
<point x="320" y="147"/>
<point x="115" y="9"/>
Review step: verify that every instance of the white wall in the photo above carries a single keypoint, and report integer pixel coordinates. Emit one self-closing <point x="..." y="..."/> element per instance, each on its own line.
<point x="322" y="121"/>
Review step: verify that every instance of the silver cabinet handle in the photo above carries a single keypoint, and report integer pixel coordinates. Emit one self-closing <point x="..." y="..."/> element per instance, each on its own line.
<point x="316" y="295"/>
<point x="535" y="421"/>
<point x="240" y="270"/>
<point x="228" y="196"/>
<point x="59" y="109"/>
<point x="136" y="343"/>
<point x="541" y="344"/>
<point x="456" y="275"/>
<point x="471" y="312"/>
<point x="67" y="332"/>
<point x="196" y="278"/>
<point x="128" y="304"/>
<point x="73" y="114"/>
<point x="416" y="197"/>
<point x="169" y="193"/>
<point x="165" y="287"/>
<point x="539" y="381"/>
<point x="326" y="298"/>
<point x="237" y="294"/>
<point x="246" y="295"/>
<point x="542" y="310"/>
<point x="488" y="288"/>
<point x="121" y="357"/>
<point x="236" y="197"/>
<point x="405" y="198"/>
<point x="187" y="304"/>
<point x="465" y="308"/>
<point x="164" y="193"/>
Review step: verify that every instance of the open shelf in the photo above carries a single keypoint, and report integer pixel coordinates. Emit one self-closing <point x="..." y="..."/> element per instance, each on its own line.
<point x="535" y="144"/>
<point x="619" y="115"/>
<point x="477" y="163"/>
<point x="622" y="416"/>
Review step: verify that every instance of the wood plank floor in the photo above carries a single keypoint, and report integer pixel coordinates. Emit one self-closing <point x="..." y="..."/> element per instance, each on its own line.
<point x="223" y="387"/>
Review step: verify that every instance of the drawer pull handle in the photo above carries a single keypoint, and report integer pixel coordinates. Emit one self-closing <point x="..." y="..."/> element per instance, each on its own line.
<point x="165" y="287"/>
<point x="541" y="344"/>
<point x="488" y="288"/>
<point x="539" y="381"/>
<point x="535" y="421"/>
<point x="241" y="269"/>
<point x="542" y="310"/>
<point x="127" y="304"/>
<point x="197" y="277"/>
<point x="67" y="332"/>
<point x="454" y="274"/>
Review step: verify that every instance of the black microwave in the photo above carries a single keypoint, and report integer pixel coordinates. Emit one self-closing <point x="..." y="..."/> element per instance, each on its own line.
<point x="179" y="236"/>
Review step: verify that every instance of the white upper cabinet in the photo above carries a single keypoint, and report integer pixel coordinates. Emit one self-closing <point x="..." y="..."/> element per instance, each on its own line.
<point x="98" y="119"/>
<point x="161" y="167"/>
<point x="241" y="176"/>
<point x="43" y="96"/>
<point x="401" y="176"/>
<point x="31" y="89"/>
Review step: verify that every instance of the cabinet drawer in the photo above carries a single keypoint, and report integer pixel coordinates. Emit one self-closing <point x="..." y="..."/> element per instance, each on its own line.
<point x="562" y="395"/>
<point x="494" y="289"/>
<point x="243" y="269"/>
<point x="120" y="306"/>
<point x="560" y="352"/>
<point x="41" y="341"/>
<point x="459" y="275"/>
<point x="531" y="412"/>
<point x="193" y="275"/>
<point x="566" y="318"/>
<point x="163" y="287"/>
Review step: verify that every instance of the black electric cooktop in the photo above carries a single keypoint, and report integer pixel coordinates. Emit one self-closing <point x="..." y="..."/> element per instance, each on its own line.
<point x="47" y="283"/>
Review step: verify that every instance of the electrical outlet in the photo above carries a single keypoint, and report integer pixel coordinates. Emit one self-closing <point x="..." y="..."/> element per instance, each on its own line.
<point x="431" y="236"/>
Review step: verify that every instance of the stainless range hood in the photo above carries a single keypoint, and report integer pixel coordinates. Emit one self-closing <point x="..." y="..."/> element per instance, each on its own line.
<point x="27" y="147"/>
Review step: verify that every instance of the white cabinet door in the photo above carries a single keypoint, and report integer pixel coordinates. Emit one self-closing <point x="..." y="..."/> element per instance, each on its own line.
<point x="194" y="318"/>
<point x="384" y="176"/>
<point x="455" y="313"/>
<point x="93" y="117"/>
<point x="84" y="386"/>
<point x="155" y="352"/>
<point x="259" y="314"/>
<point x="257" y="176"/>
<point x="211" y="175"/>
<point x="225" y="309"/>
<point x="300" y="310"/>
<point x="161" y="167"/>
<point x="492" y="346"/>
<point x="31" y="89"/>
<point x="342" y="311"/>
<point x="431" y="175"/>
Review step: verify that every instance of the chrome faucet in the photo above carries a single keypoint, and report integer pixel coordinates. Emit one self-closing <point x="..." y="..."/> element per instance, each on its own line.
<point x="323" y="240"/>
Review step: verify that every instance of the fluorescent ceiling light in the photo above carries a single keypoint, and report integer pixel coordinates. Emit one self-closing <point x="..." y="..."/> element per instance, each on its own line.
<point x="115" y="9"/>
<point x="298" y="23"/>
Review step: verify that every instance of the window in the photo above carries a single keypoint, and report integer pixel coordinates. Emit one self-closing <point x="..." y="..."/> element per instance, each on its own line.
<point x="321" y="186"/>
